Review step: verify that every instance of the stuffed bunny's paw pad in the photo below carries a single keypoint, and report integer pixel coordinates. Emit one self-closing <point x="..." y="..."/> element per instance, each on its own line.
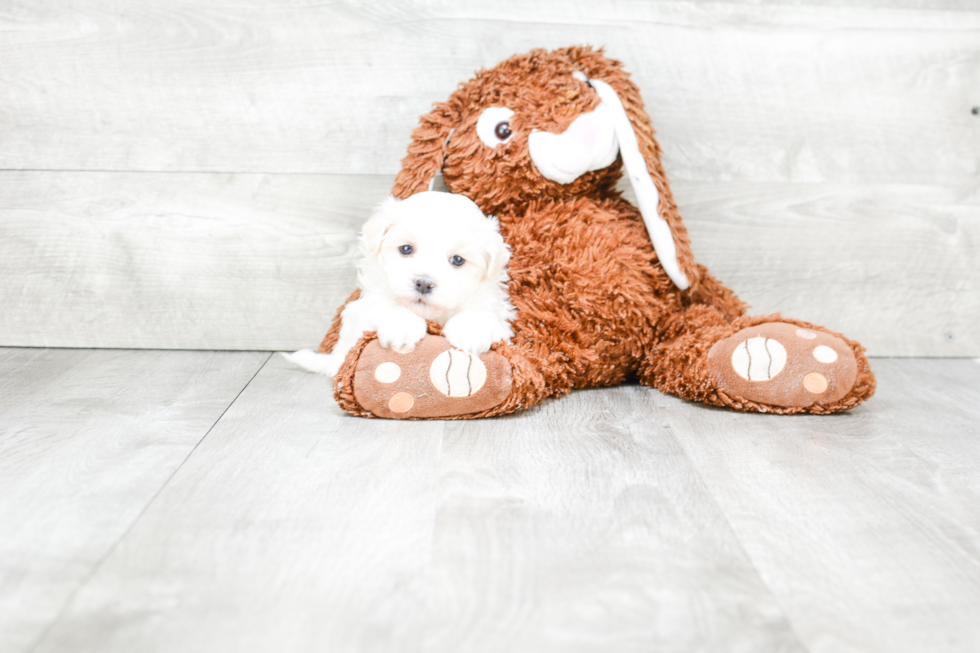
<point x="430" y="380"/>
<point x="783" y="365"/>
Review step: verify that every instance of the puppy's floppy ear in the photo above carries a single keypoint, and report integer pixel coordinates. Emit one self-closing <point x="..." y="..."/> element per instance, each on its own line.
<point x="673" y="244"/>
<point x="496" y="254"/>
<point x="428" y="148"/>
<point x="381" y="220"/>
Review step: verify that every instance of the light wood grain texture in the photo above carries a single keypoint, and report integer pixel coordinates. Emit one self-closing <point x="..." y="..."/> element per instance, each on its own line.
<point x="738" y="91"/>
<point x="87" y="439"/>
<point x="866" y="525"/>
<point x="830" y="151"/>
<point x="895" y="267"/>
<point x="579" y="526"/>
<point x="177" y="260"/>
<point x="262" y="261"/>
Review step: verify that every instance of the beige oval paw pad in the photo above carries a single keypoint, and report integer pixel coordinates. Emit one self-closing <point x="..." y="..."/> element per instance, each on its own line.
<point x="457" y="374"/>
<point x="404" y="349"/>
<point x="759" y="359"/>
<point x="387" y="372"/>
<point x="401" y="402"/>
<point x="815" y="382"/>
<point x="806" y="334"/>
<point x="825" y="354"/>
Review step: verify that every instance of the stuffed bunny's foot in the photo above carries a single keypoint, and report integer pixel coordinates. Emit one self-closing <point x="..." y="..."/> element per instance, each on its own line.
<point x="429" y="380"/>
<point x="784" y="365"/>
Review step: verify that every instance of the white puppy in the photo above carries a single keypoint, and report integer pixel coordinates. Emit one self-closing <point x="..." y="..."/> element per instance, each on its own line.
<point x="433" y="256"/>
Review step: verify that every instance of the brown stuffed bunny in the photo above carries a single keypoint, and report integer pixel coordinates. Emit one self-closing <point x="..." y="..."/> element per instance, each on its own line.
<point x="604" y="291"/>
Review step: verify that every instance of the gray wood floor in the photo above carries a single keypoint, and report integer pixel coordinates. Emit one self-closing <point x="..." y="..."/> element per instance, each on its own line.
<point x="216" y="501"/>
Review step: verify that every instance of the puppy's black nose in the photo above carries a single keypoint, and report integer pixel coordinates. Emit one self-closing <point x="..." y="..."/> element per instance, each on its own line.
<point x="424" y="285"/>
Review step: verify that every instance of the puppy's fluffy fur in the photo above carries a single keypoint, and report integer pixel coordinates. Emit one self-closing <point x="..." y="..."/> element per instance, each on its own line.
<point x="433" y="256"/>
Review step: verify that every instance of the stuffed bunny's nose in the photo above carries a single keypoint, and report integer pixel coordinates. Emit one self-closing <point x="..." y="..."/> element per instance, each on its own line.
<point x="584" y="129"/>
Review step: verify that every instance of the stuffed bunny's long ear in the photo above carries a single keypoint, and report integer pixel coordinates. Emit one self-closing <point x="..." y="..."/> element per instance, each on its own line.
<point x="668" y="234"/>
<point x="427" y="150"/>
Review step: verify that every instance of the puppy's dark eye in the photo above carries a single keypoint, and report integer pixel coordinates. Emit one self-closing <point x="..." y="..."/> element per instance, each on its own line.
<point x="406" y="249"/>
<point x="502" y="131"/>
<point x="457" y="260"/>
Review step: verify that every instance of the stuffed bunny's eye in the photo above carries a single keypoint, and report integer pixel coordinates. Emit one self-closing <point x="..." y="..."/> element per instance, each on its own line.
<point x="406" y="250"/>
<point x="457" y="260"/>
<point x="493" y="126"/>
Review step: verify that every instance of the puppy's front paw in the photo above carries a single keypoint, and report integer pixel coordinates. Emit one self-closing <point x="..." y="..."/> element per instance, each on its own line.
<point x="474" y="332"/>
<point x="402" y="330"/>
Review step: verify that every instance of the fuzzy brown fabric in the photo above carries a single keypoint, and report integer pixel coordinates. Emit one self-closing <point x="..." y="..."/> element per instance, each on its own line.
<point x="594" y="306"/>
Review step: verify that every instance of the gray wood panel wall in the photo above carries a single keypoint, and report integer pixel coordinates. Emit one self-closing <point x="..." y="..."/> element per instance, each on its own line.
<point x="181" y="175"/>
